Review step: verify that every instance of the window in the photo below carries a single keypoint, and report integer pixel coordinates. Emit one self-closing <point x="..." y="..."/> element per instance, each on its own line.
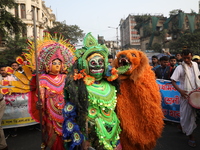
<point x="32" y="10"/>
<point x="23" y="11"/>
<point x="16" y="11"/>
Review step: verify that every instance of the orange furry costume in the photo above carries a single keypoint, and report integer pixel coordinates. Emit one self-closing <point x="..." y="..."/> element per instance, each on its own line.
<point x="139" y="104"/>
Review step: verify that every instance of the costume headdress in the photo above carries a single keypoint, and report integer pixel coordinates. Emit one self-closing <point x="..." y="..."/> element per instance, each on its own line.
<point x="49" y="49"/>
<point x="90" y="46"/>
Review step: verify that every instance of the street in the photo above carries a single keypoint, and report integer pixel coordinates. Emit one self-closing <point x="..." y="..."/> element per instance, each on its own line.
<point x="171" y="139"/>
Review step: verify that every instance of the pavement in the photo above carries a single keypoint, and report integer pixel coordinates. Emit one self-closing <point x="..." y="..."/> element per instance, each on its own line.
<point x="172" y="139"/>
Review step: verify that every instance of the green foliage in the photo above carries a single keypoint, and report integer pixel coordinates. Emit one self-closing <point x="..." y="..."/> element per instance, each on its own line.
<point x="140" y="20"/>
<point x="71" y="32"/>
<point x="156" y="47"/>
<point x="191" y="40"/>
<point x="9" y="24"/>
<point x="14" y="48"/>
<point x="174" y="12"/>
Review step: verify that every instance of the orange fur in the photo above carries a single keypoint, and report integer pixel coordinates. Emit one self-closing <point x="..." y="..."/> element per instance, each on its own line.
<point x="139" y="104"/>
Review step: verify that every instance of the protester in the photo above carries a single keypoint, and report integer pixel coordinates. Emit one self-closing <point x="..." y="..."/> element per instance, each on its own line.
<point x="173" y="64"/>
<point x="163" y="71"/>
<point x="178" y="58"/>
<point x="110" y="59"/>
<point x="155" y="62"/>
<point x="3" y="144"/>
<point x="14" y="66"/>
<point x="187" y="73"/>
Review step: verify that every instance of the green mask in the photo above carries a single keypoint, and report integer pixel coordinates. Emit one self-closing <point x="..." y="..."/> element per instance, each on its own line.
<point x="91" y="46"/>
<point x="96" y="66"/>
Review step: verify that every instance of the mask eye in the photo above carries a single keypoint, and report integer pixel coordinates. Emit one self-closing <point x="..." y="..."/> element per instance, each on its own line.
<point x="93" y="63"/>
<point x="133" y="54"/>
<point x="100" y="62"/>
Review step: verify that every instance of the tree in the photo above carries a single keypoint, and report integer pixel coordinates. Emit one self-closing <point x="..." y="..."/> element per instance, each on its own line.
<point x="13" y="49"/>
<point x="9" y="24"/>
<point x="71" y="32"/>
<point x="190" y="40"/>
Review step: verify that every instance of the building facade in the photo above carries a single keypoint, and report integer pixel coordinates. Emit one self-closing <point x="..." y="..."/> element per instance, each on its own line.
<point x="128" y="35"/>
<point x="27" y="10"/>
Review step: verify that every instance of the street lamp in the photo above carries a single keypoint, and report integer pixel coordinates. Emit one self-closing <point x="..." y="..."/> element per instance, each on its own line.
<point x="116" y="35"/>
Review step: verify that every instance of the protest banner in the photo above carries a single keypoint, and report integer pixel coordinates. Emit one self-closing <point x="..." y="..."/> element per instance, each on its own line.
<point x="16" y="112"/>
<point x="170" y="100"/>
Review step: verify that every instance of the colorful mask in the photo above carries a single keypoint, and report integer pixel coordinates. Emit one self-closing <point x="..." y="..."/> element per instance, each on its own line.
<point x="91" y="46"/>
<point x="56" y="66"/>
<point x="96" y="66"/>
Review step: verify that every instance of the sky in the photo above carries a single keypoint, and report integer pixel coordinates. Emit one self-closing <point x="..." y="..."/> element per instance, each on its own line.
<point x="96" y="16"/>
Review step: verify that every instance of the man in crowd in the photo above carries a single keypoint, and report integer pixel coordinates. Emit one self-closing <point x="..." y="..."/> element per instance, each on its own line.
<point x="155" y="62"/>
<point x="163" y="71"/>
<point x="173" y="64"/>
<point x="3" y="145"/>
<point x="6" y="76"/>
<point x="110" y="59"/>
<point x="187" y="73"/>
<point x="178" y="58"/>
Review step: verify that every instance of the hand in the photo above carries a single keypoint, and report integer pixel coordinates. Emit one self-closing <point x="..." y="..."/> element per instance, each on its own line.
<point x="184" y="94"/>
<point x="85" y="145"/>
<point x="39" y="105"/>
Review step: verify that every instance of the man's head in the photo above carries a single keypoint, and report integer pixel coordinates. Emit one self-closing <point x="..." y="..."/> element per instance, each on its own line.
<point x="110" y="59"/>
<point x="178" y="57"/>
<point x="14" y="65"/>
<point x="172" y="61"/>
<point x="164" y="61"/>
<point x="187" y="56"/>
<point x="3" y="72"/>
<point x="154" y="59"/>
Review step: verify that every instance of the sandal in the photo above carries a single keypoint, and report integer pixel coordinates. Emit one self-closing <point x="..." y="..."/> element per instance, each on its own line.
<point x="192" y="143"/>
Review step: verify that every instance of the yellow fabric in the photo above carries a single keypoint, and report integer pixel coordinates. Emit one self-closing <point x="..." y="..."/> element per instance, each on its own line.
<point x="17" y="90"/>
<point x="27" y="72"/>
<point x="21" y="77"/>
<point x="19" y="84"/>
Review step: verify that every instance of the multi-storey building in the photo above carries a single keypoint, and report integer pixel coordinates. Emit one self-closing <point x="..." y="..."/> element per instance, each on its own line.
<point x="128" y="35"/>
<point x="26" y="9"/>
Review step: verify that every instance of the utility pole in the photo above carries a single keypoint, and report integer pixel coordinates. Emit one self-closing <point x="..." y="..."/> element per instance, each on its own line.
<point x="117" y="37"/>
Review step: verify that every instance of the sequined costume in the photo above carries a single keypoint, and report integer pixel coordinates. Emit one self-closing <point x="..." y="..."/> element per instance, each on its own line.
<point x="55" y="56"/>
<point x="90" y="114"/>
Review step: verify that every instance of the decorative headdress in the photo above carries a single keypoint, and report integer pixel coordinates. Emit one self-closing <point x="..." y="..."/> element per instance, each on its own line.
<point x="49" y="49"/>
<point x="90" y="46"/>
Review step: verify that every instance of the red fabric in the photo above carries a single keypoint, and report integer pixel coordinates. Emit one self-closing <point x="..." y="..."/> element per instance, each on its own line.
<point x="58" y="144"/>
<point x="32" y="100"/>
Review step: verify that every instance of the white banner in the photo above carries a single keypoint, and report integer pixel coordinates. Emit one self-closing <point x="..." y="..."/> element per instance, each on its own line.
<point x="16" y="112"/>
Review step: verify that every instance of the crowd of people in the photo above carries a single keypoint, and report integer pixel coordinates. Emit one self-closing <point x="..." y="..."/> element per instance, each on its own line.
<point x="184" y="68"/>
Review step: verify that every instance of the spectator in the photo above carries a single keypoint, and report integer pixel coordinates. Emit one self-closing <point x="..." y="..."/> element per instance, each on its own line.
<point x="155" y="62"/>
<point x="178" y="58"/>
<point x="14" y="66"/>
<point x="187" y="73"/>
<point x="110" y="59"/>
<point x="163" y="71"/>
<point x="3" y="144"/>
<point x="5" y="76"/>
<point x="173" y="64"/>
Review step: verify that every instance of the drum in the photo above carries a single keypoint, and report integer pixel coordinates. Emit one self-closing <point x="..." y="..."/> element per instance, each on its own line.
<point x="194" y="98"/>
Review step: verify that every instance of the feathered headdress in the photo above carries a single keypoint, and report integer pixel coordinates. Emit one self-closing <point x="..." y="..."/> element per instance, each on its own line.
<point x="90" y="46"/>
<point x="49" y="49"/>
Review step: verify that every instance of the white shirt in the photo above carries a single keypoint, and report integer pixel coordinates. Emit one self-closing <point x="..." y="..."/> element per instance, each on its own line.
<point x="179" y="75"/>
